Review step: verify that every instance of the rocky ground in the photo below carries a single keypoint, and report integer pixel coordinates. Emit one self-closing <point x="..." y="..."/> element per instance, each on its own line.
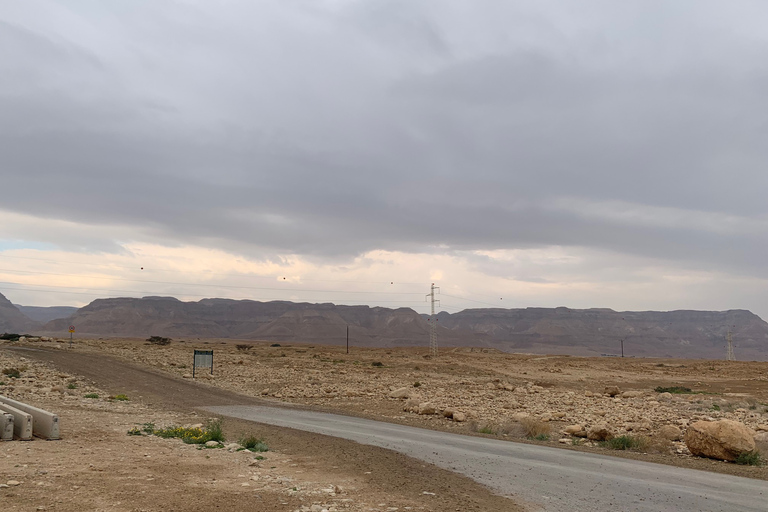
<point x="487" y="391"/>
<point x="559" y="399"/>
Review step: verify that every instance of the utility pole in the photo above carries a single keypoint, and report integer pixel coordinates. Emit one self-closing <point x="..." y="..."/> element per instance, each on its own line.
<point x="622" y="347"/>
<point x="433" y="321"/>
<point x="729" y="356"/>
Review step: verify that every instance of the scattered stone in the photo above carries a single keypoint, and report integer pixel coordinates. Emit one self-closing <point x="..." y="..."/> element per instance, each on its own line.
<point x="211" y="444"/>
<point x="13" y="483"/>
<point x="670" y="433"/>
<point x="599" y="432"/>
<point x="573" y="429"/>
<point x="400" y="393"/>
<point x="611" y="391"/>
<point x="459" y="416"/>
<point x="631" y="394"/>
<point x="723" y="439"/>
<point x="426" y="408"/>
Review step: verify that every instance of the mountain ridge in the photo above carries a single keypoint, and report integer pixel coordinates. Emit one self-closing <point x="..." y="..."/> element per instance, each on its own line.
<point x="589" y="332"/>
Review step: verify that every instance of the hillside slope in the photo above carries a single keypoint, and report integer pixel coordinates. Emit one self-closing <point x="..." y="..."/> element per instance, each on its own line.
<point x="685" y="334"/>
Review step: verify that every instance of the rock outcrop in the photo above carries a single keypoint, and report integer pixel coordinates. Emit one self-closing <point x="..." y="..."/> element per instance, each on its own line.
<point x="723" y="440"/>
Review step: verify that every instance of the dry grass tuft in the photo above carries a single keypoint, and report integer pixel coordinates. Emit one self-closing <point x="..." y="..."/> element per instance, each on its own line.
<point x="535" y="429"/>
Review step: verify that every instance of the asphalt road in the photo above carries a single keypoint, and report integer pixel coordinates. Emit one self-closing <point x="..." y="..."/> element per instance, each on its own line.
<point x="538" y="477"/>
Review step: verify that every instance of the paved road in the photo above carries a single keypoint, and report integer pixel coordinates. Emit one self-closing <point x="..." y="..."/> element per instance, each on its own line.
<point x="543" y="478"/>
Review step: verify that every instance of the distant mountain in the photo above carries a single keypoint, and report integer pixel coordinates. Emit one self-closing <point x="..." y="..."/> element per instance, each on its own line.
<point x="683" y="334"/>
<point x="13" y="320"/>
<point x="246" y="319"/>
<point x="46" y="314"/>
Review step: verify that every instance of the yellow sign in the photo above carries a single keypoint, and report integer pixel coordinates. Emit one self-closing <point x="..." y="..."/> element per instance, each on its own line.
<point x="71" y="328"/>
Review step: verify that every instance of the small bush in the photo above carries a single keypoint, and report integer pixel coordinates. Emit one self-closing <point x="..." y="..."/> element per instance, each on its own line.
<point x="148" y="428"/>
<point x="91" y="395"/>
<point x="750" y="459"/>
<point x="715" y="407"/>
<point x="243" y="347"/>
<point x="417" y="384"/>
<point x="253" y="444"/>
<point x="211" y="432"/>
<point x="541" y="437"/>
<point x="533" y="428"/>
<point x="680" y="390"/>
<point x="377" y="363"/>
<point x="626" y="443"/>
<point x="275" y="345"/>
<point x="13" y="373"/>
<point x="10" y="336"/>
<point x="71" y="385"/>
<point x="159" y="340"/>
<point x="119" y="398"/>
<point x="135" y="431"/>
<point x="487" y="429"/>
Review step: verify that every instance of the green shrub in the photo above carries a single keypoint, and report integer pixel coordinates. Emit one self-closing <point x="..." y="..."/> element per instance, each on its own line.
<point x="91" y="395"/>
<point x="253" y="444"/>
<point x="626" y="443"/>
<point x="750" y="459"/>
<point x="119" y="398"/>
<point x="715" y="407"/>
<point x="541" y="437"/>
<point x="680" y="390"/>
<point x="135" y="431"/>
<point x="10" y="336"/>
<point x="193" y="435"/>
<point x="417" y="384"/>
<point x="487" y="429"/>
<point x="148" y="428"/>
<point x="159" y="340"/>
<point x="13" y="373"/>
<point x="275" y="345"/>
<point x="377" y="363"/>
<point x="71" y="385"/>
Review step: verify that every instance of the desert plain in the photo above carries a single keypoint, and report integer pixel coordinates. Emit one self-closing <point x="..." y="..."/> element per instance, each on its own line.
<point x="517" y="397"/>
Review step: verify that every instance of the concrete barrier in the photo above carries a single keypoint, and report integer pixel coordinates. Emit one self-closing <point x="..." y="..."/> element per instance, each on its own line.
<point x="6" y="426"/>
<point x="46" y="424"/>
<point x="22" y="422"/>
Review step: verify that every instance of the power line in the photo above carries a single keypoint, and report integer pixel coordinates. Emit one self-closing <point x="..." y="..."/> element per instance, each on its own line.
<point x="209" y="273"/>
<point x="30" y="272"/>
<point x="470" y="300"/>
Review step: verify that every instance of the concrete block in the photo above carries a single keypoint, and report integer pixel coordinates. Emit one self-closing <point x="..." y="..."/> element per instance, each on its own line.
<point x="22" y="422"/>
<point x="6" y="426"/>
<point x="46" y="424"/>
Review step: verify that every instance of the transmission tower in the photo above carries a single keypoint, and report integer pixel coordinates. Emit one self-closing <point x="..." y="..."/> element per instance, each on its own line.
<point x="729" y="356"/>
<point x="433" y="321"/>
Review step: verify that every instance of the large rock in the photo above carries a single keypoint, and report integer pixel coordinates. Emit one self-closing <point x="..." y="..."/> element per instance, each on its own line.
<point x="400" y="393"/>
<point x="723" y="440"/>
<point x="670" y="433"/>
<point x="600" y="432"/>
<point x="426" y="408"/>
<point x="611" y="391"/>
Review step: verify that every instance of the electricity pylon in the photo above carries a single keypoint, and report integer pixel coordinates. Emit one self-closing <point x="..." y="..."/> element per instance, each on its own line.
<point x="729" y="356"/>
<point x="433" y="321"/>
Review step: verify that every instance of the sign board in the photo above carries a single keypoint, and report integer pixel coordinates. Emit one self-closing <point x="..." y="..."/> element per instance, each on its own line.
<point x="71" y="328"/>
<point x="203" y="359"/>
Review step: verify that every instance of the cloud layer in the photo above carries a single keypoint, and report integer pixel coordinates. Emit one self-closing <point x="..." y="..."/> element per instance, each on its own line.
<point x="624" y="134"/>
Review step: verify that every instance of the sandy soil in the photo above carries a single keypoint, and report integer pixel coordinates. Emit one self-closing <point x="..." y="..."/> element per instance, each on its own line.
<point x="97" y="465"/>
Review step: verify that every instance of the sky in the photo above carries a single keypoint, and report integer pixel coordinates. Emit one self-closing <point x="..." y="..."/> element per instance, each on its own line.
<point x="516" y="154"/>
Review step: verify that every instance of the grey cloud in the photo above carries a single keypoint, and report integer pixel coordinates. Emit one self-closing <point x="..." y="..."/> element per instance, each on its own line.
<point x="329" y="131"/>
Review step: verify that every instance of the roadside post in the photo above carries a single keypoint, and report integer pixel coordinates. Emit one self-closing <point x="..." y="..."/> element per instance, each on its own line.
<point x="202" y="358"/>
<point x="71" y="330"/>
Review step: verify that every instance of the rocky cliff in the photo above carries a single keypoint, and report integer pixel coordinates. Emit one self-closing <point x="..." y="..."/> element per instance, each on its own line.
<point x="684" y="334"/>
<point x="13" y="320"/>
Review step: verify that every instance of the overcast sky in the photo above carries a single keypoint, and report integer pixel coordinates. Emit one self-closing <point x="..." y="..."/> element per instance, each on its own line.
<point x="537" y="153"/>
